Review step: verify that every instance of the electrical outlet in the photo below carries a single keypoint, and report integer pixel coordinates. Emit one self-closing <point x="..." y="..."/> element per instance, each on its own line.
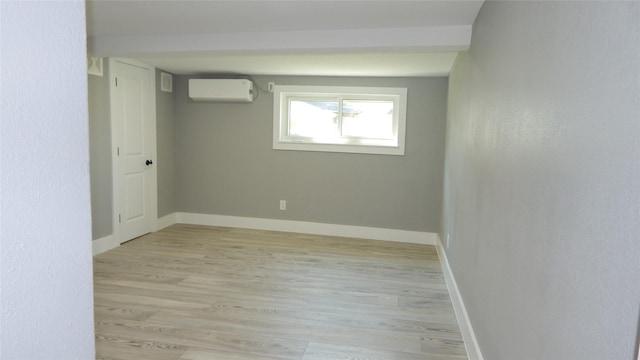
<point x="283" y="205"/>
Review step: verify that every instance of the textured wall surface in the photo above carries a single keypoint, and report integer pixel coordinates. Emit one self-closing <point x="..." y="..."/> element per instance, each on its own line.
<point x="100" y="154"/>
<point x="45" y="227"/>
<point x="226" y="164"/>
<point x="542" y="179"/>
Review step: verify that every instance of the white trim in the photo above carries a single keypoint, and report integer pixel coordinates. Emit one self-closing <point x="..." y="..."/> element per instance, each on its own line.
<point x="468" y="335"/>
<point x="166" y="221"/>
<point x="104" y="244"/>
<point x="283" y="140"/>
<point x="415" y="237"/>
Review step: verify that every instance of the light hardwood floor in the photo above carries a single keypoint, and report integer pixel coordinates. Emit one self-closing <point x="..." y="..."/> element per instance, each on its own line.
<point x="195" y="292"/>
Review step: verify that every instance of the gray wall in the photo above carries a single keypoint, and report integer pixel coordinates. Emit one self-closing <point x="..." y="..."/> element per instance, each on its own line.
<point x="100" y="154"/>
<point x="226" y="164"/>
<point x="166" y="149"/>
<point x="542" y="179"/>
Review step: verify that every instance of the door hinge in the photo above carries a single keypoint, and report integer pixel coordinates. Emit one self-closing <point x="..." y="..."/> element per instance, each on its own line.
<point x="119" y="218"/>
<point x="118" y="150"/>
<point x="116" y="82"/>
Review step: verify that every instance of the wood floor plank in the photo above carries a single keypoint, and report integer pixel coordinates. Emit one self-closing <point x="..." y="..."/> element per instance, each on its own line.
<point x="443" y="346"/>
<point x="128" y="348"/>
<point x="195" y="353"/>
<point x="193" y="292"/>
<point x="290" y="329"/>
<point x="317" y="351"/>
<point x="187" y="337"/>
<point x="356" y="321"/>
<point x="127" y="312"/>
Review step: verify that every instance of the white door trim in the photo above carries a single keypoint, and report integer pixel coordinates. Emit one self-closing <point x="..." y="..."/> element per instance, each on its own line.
<point x="115" y="140"/>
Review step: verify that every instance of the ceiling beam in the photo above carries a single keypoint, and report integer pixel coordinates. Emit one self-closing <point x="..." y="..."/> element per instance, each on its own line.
<point x="433" y="38"/>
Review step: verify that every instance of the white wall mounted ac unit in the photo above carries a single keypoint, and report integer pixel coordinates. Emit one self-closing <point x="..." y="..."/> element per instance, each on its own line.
<point x="221" y="90"/>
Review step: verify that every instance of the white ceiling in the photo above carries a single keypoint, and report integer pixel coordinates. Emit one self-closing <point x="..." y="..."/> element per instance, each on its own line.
<point x="295" y="37"/>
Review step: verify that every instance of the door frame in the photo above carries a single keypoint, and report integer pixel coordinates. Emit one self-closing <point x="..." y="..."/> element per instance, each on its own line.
<point x="152" y="201"/>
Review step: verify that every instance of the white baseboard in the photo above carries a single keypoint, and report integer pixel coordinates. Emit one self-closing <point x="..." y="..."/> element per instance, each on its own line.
<point x="166" y="221"/>
<point x="362" y="232"/>
<point x="103" y="244"/>
<point x="468" y="335"/>
<point x="416" y="237"/>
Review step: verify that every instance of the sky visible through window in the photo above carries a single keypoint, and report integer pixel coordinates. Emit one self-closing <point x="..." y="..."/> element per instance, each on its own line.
<point x="360" y="119"/>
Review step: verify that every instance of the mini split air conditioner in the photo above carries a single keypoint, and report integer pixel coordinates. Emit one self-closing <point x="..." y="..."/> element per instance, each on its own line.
<point x="221" y="90"/>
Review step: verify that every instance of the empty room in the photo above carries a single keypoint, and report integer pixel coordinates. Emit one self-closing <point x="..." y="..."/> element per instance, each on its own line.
<point x="320" y="180"/>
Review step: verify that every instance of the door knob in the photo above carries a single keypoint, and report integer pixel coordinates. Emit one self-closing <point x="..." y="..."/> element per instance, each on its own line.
<point x="149" y="162"/>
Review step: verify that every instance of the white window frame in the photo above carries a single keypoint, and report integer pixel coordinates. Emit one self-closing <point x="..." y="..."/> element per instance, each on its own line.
<point x="282" y="140"/>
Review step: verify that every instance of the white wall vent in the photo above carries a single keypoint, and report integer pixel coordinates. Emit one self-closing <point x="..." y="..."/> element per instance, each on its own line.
<point x="221" y="90"/>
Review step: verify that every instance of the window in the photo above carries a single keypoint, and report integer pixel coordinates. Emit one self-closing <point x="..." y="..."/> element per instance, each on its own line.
<point x="339" y="119"/>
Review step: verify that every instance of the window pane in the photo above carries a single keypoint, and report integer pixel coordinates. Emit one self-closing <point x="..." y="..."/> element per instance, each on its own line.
<point x="367" y="119"/>
<point x="317" y="119"/>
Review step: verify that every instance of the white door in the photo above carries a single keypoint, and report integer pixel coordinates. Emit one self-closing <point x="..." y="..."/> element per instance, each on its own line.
<point x="133" y="131"/>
